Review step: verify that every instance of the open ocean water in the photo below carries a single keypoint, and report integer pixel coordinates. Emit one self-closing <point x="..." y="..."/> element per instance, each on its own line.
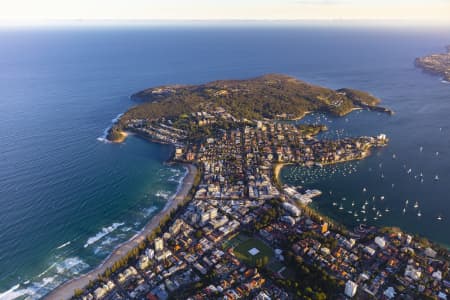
<point x="67" y="198"/>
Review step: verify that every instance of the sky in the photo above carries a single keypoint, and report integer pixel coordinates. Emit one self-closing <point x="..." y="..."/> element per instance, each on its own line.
<point x="43" y="10"/>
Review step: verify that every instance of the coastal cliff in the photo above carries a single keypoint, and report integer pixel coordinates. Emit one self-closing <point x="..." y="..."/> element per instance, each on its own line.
<point x="273" y="96"/>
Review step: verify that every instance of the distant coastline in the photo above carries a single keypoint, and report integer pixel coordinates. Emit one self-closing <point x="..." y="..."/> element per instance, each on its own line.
<point x="438" y="64"/>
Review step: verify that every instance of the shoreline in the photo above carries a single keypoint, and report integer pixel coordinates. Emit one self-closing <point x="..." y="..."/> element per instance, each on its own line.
<point x="67" y="289"/>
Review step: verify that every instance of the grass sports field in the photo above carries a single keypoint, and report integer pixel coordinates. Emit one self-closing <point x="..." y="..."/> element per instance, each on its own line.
<point x="245" y="245"/>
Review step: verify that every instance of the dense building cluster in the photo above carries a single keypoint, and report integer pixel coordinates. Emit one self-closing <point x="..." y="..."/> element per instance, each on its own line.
<point x="242" y="236"/>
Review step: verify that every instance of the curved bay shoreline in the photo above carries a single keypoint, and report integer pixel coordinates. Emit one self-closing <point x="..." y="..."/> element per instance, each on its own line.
<point x="66" y="290"/>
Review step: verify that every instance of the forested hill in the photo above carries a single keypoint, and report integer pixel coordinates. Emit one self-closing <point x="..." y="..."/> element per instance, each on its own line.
<point x="270" y="96"/>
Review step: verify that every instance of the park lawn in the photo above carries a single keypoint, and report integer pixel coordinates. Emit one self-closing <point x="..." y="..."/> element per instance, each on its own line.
<point x="242" y="251"/>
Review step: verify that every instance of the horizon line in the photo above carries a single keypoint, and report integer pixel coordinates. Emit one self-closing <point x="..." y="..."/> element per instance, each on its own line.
<point x="317" y="21"/>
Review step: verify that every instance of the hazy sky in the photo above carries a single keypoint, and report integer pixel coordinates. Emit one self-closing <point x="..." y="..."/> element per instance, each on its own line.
<point x="32" y="10"/>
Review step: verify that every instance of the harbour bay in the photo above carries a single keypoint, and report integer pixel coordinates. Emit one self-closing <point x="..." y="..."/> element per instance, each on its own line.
<point x="68" y="199"/>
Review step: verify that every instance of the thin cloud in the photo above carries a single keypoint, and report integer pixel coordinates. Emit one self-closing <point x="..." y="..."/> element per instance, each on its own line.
<point x="321" y="2"/>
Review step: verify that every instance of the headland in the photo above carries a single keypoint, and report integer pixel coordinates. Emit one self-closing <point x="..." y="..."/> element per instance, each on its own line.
<point x="239" y="234"/>
<point x="438" y="63"/>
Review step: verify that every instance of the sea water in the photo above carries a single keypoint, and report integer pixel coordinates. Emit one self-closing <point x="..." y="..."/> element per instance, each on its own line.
<point x="67" y="198"/>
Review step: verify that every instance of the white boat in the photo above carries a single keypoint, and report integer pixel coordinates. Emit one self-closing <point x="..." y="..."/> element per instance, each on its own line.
<point x="364" y="189"/>
<point x="416" y="205"/>
<point x="406" y="202"/>
<point x="404" y="210"/>
<point x="341" y="207"/>
<point x="419" y="214"/>
<point x="421" y="148"/>
<point x="439" y="218"/>
<point x="436" y="177"/>
<point x="387" y="209"/>
<point x="382" y="197"/>
<point x="334" y="203"/>
<point x="353" y="203"/>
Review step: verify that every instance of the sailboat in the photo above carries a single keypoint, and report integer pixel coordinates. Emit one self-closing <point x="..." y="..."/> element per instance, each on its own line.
<point x="404" y="210"/>
<point x="364" y="190"/>
<point x="416" y="205"/>
<point x="421" y="148"/>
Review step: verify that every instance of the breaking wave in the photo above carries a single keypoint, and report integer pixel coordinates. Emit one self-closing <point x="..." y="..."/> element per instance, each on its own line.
<point x="104" y="232"/>
<point x="103" y="138"/>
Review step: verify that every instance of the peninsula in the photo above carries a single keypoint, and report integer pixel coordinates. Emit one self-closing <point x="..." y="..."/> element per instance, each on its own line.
<point x="237" y="233"/>
<point x="436" y="63"/>
<point x="273" y="96"/>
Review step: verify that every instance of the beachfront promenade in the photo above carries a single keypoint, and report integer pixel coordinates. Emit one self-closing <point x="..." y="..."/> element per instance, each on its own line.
<point x="66" y="290"/>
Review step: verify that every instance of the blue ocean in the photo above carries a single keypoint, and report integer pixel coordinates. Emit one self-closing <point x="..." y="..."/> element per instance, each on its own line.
<point x="67" y="197"/>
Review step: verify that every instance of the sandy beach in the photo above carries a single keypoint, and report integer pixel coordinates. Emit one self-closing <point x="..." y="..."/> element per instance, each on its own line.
<point x="276" y="171"/>
<point x="66" y="290"/>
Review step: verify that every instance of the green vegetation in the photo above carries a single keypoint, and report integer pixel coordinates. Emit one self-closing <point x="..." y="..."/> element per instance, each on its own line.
<point x="270" y="96"/>
<point x="261" y="259"/>
<point x="308" y="281"/>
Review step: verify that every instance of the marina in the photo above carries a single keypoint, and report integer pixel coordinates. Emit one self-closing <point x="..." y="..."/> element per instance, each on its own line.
<point x="377" y="190"/>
